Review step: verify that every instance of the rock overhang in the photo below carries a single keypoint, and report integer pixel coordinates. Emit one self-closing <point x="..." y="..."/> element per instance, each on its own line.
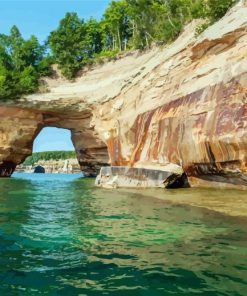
<point x="184" y="105"/>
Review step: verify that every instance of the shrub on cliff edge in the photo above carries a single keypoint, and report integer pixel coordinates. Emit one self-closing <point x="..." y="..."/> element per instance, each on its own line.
<point x="125" y="25"/>
<point x="22" y="63"/>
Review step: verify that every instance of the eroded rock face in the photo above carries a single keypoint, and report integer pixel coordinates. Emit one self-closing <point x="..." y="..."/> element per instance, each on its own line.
<point x="180" y="106"/>
<point x="20" y="126"/>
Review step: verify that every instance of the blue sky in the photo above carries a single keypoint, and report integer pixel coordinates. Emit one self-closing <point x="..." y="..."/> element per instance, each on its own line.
<point x="53" y="139"/>
<point x="40" y="17"/>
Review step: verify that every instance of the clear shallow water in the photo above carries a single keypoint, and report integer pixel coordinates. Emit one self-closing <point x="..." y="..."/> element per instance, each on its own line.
<point x="61" y="236"/>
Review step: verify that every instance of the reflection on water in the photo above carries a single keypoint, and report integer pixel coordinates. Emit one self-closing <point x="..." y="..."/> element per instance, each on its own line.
<point x="61" y="236"/>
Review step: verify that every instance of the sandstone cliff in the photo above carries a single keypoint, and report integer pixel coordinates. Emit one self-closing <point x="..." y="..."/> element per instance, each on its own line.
<point x="178" y="108"/>
<point x="67" y="166"/>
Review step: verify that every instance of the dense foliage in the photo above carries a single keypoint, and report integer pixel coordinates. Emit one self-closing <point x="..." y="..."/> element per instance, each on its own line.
<point x="217" y="9"/>
<point x="49" y="155"/>
<point x="22" y="63"/>
<point x="126" y="24"/>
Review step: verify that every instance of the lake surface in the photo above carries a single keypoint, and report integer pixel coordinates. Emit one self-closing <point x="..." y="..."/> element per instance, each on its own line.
<point x="61" y="236"/>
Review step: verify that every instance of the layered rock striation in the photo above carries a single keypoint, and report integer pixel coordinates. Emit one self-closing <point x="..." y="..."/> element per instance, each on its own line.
<point x="180" y="109"/>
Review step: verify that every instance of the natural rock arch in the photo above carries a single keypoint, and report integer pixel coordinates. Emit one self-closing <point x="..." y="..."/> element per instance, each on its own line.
<point x="21" y="130"/>
<point x="179" y="108"/>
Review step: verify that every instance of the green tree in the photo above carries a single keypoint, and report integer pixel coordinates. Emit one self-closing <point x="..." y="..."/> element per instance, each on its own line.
<point x="218" y="8"/>
<point x="24" y="53"/>
<point x="75" y="43"/>
<point x="22" y="62"/>
<point x="7" y="90"/>
<point x="44" y="66"/>
<point x="67" y="44"/>
<point x="147" y="20"/>
<point x="93" y="40"/>
<point x="27" y="80"/>
<point x="116" y="24"/>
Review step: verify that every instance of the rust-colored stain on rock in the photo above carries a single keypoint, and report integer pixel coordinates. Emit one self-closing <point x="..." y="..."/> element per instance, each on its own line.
<point x="182" y="107"/>
<point x="202" y="143"/>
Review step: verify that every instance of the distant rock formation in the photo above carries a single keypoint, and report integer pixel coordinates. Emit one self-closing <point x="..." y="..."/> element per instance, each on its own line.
<point x="39" y="169"/>
<point x="180" y="106"/>
<point x="68" y="166"/>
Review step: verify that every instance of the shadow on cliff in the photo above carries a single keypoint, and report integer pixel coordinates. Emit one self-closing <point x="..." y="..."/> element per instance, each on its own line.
<point x="175" y="181"/>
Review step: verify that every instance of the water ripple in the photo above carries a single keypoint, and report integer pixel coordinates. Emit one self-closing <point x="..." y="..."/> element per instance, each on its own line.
<point x="60" y="236"/>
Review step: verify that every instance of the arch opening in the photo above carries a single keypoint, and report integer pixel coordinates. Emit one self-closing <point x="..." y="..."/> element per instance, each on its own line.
<point x="52" y="152"/>
<point x="53" y="139"/>
<point x="91" y="151"/>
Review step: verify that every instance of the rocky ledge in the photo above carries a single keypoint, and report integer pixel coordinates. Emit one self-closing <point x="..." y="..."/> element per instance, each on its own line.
<point x="181" y="107"/>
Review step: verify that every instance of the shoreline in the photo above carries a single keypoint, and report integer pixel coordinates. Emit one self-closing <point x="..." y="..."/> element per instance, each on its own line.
<point x="230" y="202"/>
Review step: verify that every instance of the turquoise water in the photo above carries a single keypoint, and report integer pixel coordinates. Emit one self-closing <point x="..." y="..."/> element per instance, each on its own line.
<point x="61" y="236"/>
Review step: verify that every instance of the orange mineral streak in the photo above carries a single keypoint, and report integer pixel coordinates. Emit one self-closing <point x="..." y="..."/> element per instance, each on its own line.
<point x="142" y="126"/>
<point x="181" y="107"/>
<point x="201" y="142"/>
<point x="114" y="151"/>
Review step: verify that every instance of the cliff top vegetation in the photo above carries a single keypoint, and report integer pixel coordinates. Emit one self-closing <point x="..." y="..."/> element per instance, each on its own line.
<point x="125" y="25"/>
